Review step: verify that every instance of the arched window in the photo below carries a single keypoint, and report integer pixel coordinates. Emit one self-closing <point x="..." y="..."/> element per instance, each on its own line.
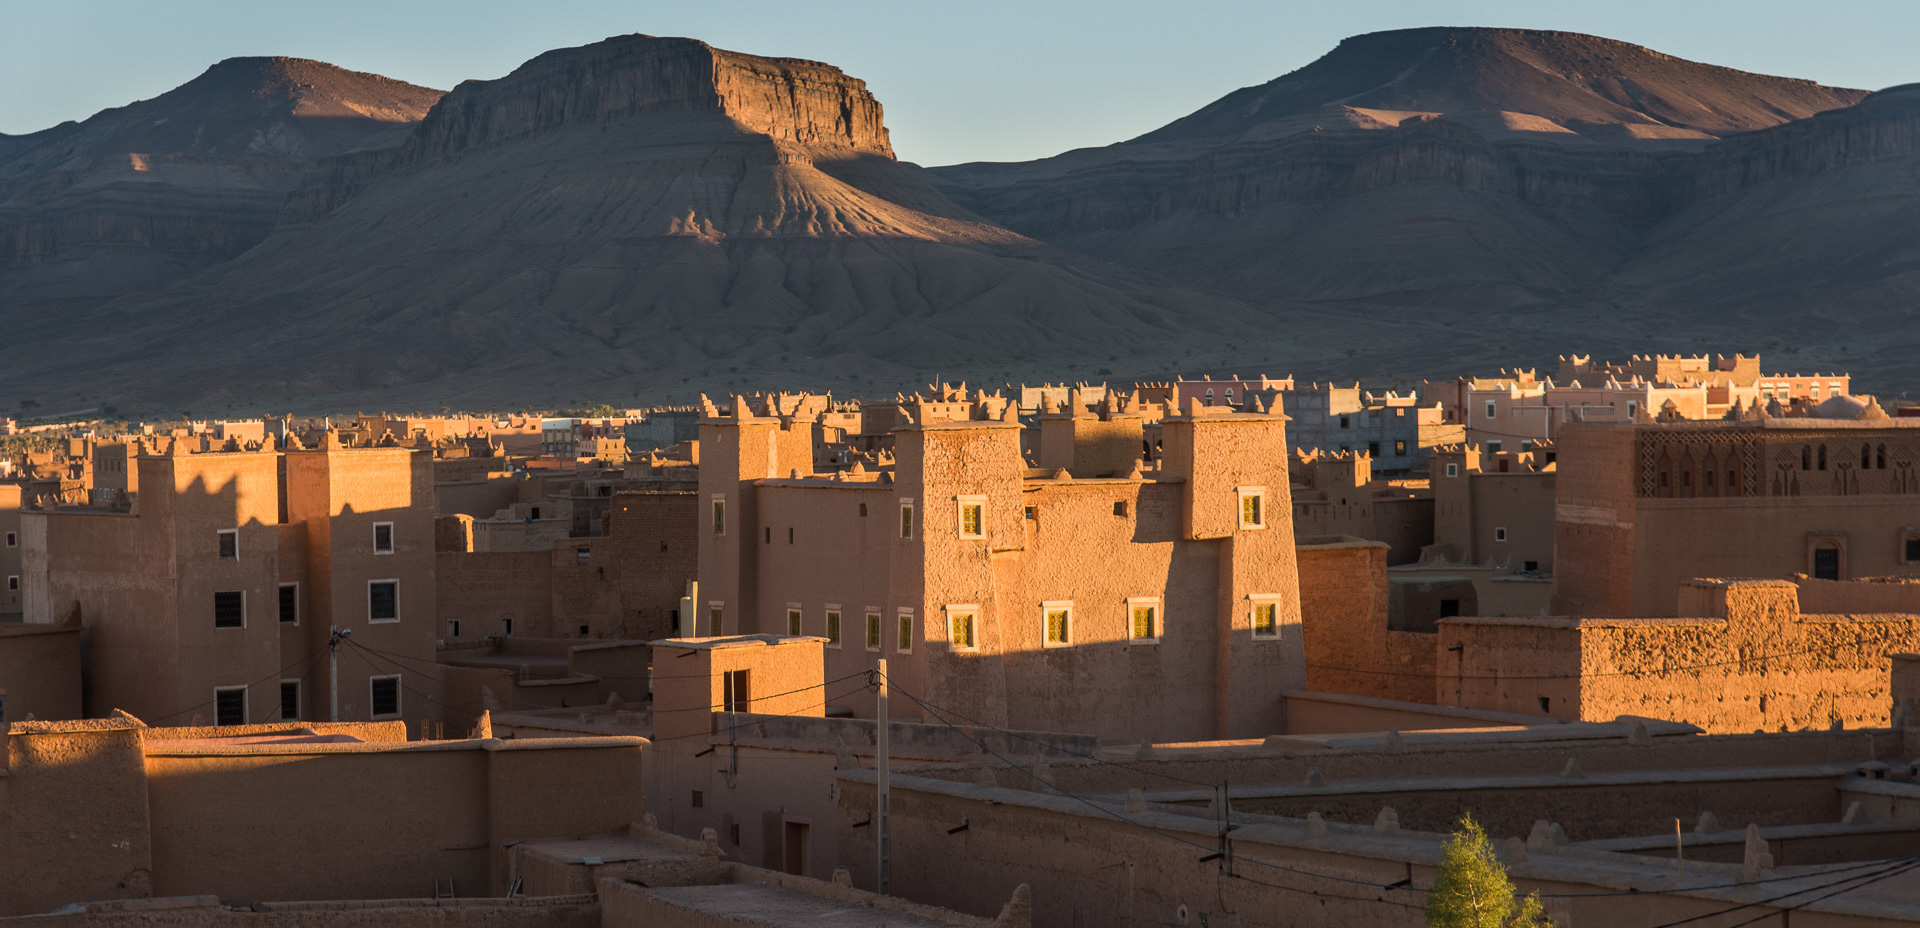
<point x="1866" y="456"/>
<point x="1823" y="457"/>
<point x="1806" y="457"/>
<point x="1880" y="458"/>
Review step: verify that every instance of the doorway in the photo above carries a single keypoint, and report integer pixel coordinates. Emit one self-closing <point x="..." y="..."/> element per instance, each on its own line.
<point x="796" y="855"/>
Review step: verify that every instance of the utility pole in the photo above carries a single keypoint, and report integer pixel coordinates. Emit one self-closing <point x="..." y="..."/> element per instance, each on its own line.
<point x="334" y="635"/>
<point x="880" y="767"/>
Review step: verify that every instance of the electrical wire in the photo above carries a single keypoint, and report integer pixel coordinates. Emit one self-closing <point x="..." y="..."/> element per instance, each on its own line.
<point x="1900" y="865"/>
<point x="272" y="676"/>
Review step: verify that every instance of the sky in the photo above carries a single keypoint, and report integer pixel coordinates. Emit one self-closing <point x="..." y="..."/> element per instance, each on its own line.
<point x="980" y="80"/>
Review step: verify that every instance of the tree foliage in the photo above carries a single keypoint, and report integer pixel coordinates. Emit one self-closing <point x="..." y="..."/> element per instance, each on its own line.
<point x="1471" y="889"/>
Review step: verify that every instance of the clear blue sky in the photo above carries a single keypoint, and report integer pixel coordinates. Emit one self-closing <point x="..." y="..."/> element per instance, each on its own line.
<point x="963" y="80"/>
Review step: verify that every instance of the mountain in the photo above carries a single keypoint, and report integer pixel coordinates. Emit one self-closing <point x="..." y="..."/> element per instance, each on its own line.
<point x="138" y="195"/>
<point x="638" y="214"/>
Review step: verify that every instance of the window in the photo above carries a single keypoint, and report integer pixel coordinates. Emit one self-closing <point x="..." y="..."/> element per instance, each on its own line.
<point x="230" y="705"/>
<point x="1120" y="508"/>
<point x="1266" y="617"/>
<point x="906" y="518"/>
<point x="1880" y="458"/>
<point x="1489" y="409"/>
<point x="1058" y="619"/>
<point x="290" y="603"/>
<point x="736" y="691"/>
<point x="1400" y="448"/>
<point x="973" y="516"/>
<point x="716" y="613"/>
<point x="905" y="642"/>
<point x="1806" y="457"/>
<point x="229" y="544"/>
<point x="13" y="581"/>
<point x="1345" y="421"/>
<point x="960" y="627"/>
<point x="506" y="626"/>
<point x="769" y="531"/>
<point x="699" y="799"/>
<point x="383" y="600"/>
<point x="1821" y="458"/>
<point x="1530" y="566"/>
<point x="453" y="628"/>
<point x="384" y="696"/>
<point x="1493" y="447"/>
<point x="1633" y="408"/>
<point x="230" y="609"/>
<point x="1500" y="534"/>
<point x="13" y="540"/>
<point x="582" y="556"/>
<point x="535" y="513"/>
<point x="1143" y="620"/>
<point x="1373" y="449"/>
<point x="873" y="630"/>
<point x="383" y="537"/>
<point x="289" y="699"/>
<point x="1449" y="608"/>
<point x="719" y="515"/>
<point x="1031" y="512"/>
<point x="1252" y="506"/>
<point x="1913" y="550"/>
<point x="833" y="626"/>
<point x="863" y="510"/>
<point x="1453" y="470"/>
<point x="793" y="619"/>
<point x="1826" y="563"/>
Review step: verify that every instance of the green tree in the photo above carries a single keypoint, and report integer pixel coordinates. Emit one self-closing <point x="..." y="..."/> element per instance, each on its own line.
<point x="1471" y="889"/>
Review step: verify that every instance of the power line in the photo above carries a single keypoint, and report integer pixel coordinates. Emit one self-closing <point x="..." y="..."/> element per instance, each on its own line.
<point x="1898" y="866"/>
<point x="248" y="687"/>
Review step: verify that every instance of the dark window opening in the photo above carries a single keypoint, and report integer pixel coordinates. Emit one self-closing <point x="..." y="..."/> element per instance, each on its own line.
<point x="229" y="609"/>
<point x="583" y="631"/>
<point x="1913" y="550"/>
<point x="736" y="691"/>
<point x="1531" y="566"/>
<point x="1033" y="512"/>
<point x="230" y="707"/>
<point x="769" y="531"/>
<point x="290" y="700"/>
<point x="1120" y="507"/>
<point x="386" y="696"/>
<point x="289" y="603"/>
<point x="1373" y="449"/>
<point x="1826" y="563"/>
<point x="863" y="510"/>
<point x="789" y="535"/>
<point x="699" y="799"/>
<point x="1545" y="706"/>
<point x="1822" y="458"/>
<point x="229" y="545"/>
<point x="1806" y="457"/>
<point x="383" y="601"/>
<point x="383" y="537"/>
<point x="536" y="512"/>
<point x="1449" y="607"/>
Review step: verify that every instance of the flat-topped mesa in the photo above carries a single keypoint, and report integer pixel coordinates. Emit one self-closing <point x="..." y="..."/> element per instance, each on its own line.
<point x="789" y="99"/>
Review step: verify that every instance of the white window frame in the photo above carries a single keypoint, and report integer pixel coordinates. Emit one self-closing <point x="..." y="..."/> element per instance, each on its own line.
<point x="1499" y="533"/>
<point x="960" y="517"/>
<point x="1240" y="497"/>
<point x="1254" y="602"/>
<point x="399" y="697"/>
<point x="391" y="543"/>
<point x="1453" y="469"/>
<point x="242" y="690"/>
<point x="243" y="612"/>
<point x="796" y="619"/>
<point x="13" y="582"/>
<point x="835" y="620"/>
<point x="1046" y="609"/>
<point x="717" y="515"/>
<point x="1492" y="410"/>
<point x="299" y="700"/>
<point x="904" y="643"/>
<point x="1159" y="619"/>
<point x="905" y="525"/>
<point x="296" y="603"/>
<point x="222" y="533"/>
<point x="396" y="602"/>
<point x="876" y="630"/>
<point x="972" y="612"/>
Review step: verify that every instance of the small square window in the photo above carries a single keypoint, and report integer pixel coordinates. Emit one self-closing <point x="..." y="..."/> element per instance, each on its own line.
<point x="1031" y="512"/>
<point x="582" y="556"/>
<point x="1499" y="534"/>
<point x="1490" y="408"/>
<point x="1143" y="620"/>
<point x="289" y="699"/>
<point x="1058" y="619"/>
<point x="960" y="627"/>
<point x="1400" y="449"/>
<point x="1453" y="470"/>
<point x="290" y="603"/>
<point x="13" y="582"/>
<point x="384" y="693"/>
<point x="719" y="515"/>
<point x="229" y="544"/>
<point x="383" y="601"/>
<point x="699" y="799"/>
<point x="230" y="609"/>
<point x="1266" y="619"/>
<point x="13" y="540"/>
<point x="383" y="537"/>
<point x="230" y="705"/>
<point x="1253" y="505"/>
<point x="793" y="620"/>
<point x="1346" y="421"/>
<point x="973" y="516"/>
<point x="453" y="628"/>
<point x="905" y="642"/>
<point x="833" y="628"/>
<point x="906" y="518"/>
<point x="873" y="631"/>
<point x="1120" y="508"/>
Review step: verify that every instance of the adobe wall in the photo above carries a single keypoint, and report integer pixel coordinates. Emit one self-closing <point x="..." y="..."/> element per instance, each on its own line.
<point x="631" y="579"/>
<point x="1891" y="594"/>
<point x="1904" y="682"/>
<point x="211" y="912"/>
<point x="478" y="495"/>
<point x="1343" y="625"/>
<point x="1593" y="531"/>
<point x="486" y="589"/>
<point x="39" y="672"/>
<point x="1764" y="666"/>
<point x="74" y="802"/>
<point x="1523" y="505"/>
